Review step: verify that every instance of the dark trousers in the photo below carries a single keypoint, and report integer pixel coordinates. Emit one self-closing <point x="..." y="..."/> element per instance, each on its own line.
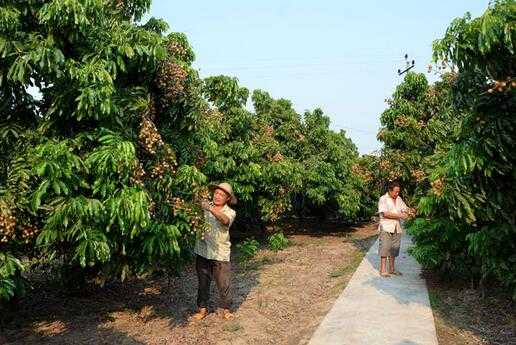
<point x="221" y="272"/>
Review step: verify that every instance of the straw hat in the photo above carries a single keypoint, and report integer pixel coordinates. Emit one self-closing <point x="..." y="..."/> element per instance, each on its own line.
<point x="226" y="187"/>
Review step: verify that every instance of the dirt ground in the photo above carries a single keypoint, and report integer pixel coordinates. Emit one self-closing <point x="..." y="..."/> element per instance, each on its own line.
<point x="279" y="298"/>
<point x="463" y="317"/>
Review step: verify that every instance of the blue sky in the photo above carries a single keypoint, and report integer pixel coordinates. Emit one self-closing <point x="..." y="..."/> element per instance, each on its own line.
<point x="341" y="56"/>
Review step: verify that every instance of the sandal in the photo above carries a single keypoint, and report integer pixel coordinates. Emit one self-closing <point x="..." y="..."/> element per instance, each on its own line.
<point x="226" y="314"/>
<point x="385" y="274"/>
<point x="396" y="273"/>
<point x="201" y="314"/>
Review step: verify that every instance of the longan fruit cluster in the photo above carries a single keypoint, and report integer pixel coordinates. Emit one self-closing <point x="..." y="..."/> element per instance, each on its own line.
<point x="7" y="227"/>
<point x="137" y="175"/>
<point x="149" y="136"/>
<point x="355" y="169"/>
<point x="159" y="169"/>
<point x="28" y="232"/>
<point x="176" y="203"/>
<point x="177" y="50"/>
<point x="502" y="85"/>
<point x="361" y="173"/>
<point x="152" y="208"/>
<point x="269" y="130"/>
<point x="421" y="124"/>
<point x="419" y="175"/>
<point x="179" y="204"/>
<point x="385" y="164"/>
<point x="213" y="115"/>
<point x="202" y="194"/>
<point x="171" y="80"/>
<point x="277" y="157"/>
<point x="394" y="175"/>
<point x="402" y="121"/>
<point x="411" y="212"/>
<point x="438" y="186"/>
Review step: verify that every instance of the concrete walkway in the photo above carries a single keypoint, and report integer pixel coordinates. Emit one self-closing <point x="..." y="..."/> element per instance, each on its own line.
<point x="381" y="311"/>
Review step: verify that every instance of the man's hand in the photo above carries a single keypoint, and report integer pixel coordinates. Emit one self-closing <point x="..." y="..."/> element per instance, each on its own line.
<point x="404" y="215"/>
<point x="409" y="213"/>
<point x="217" y="212"/>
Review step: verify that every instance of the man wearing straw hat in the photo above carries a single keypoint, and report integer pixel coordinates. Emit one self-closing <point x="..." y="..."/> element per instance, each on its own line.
<point x="213" y="251"/>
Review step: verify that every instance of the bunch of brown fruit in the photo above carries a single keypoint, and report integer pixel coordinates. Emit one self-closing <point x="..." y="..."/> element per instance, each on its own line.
<point x="358" y="171"/>
<point x="193" y="217"/>
<point x="502" y="85"/>
<point x="160" y="168"/>
<point x="171" y="80"/>
<point x="149" y="136"/>
<point x="176" y="49"/>
<point x="385" y="164"/>
<point x="411" y="212"/>
<point x="418" y="174"/>
<point x="269" y="131"/>
<point x="276" y="211"/>
<point x="177" y="204"/>
<point x="7" y="227"/>
<point x="28" y="232"/>
<point x="438" y="186"/>
<point x="170" y="155"/>
<point x="195" y="221"/>
<point x="277" y="157"/>
<point x="401" y="121"/>
<point x="202" y="194"/>
<point x="394" y="175"/>
<point x="152" y="208"/>
<point x="213" y="115"/>
<point x="367" y="176"/>
<point x="137" y="175"/>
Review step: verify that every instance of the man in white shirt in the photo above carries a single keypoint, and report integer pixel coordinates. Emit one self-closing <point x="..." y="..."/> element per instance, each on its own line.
<point x="392" y="209"/>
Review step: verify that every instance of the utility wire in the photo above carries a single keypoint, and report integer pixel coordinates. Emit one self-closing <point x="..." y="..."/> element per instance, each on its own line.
<point x="363" y="55"/>
<point x="290" y="66"/>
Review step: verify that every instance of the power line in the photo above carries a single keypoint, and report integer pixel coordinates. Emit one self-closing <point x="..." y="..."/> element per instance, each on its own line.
<point x="363" y="55"/>
<point x="297" y="71"/>
<point x="337" y="74"/>
<point x="253" y="65"/>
